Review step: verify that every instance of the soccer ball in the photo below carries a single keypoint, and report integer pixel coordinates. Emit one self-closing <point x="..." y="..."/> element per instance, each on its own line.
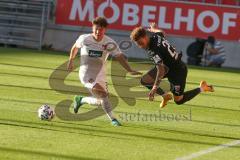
<point x="45" y="112"/>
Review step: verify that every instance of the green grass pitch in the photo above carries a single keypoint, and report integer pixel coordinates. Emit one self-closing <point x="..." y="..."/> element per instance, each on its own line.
<point x="207" y="121"/>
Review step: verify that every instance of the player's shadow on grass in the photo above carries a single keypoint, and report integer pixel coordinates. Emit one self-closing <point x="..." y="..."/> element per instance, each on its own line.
<point x="42" y="154"/>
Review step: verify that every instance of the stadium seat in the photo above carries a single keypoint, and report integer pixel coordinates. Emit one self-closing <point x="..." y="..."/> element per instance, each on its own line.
<point x="22" y="23"/>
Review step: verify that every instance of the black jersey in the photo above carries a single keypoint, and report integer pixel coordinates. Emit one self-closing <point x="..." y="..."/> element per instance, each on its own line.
<point x="161" y="51"/>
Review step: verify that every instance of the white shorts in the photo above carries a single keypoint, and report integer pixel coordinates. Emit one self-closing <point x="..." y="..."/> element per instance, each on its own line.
<point x="90" y="82"/>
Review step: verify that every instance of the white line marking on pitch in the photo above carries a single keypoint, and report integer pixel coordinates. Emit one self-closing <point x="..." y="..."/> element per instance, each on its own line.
<point x="209" y="150"/>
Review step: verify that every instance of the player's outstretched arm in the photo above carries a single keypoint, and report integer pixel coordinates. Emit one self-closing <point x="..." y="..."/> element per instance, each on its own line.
<point x="159" y="76"/>
<point x="153" y="28"/>
<point x="123" y="61"/>
<point x="73" y="54"/>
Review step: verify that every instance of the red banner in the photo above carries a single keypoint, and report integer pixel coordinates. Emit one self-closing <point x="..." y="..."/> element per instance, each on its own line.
<point x="173" y="17"/>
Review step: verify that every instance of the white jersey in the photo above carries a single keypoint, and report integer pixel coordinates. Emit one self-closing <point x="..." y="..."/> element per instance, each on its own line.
<point x="93" y="57"/>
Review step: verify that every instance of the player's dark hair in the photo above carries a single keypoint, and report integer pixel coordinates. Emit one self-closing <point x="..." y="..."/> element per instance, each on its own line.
<point x="138" y="33"/>
<point x="100" y="21"/>
<point x="211" y="40"/>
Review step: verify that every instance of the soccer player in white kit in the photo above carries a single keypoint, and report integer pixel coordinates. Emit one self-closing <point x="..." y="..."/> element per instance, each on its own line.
<point x="95" y="49"/>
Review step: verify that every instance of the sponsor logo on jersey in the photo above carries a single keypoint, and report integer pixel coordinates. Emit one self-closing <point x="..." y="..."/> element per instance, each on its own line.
<point x="93" y="53"/>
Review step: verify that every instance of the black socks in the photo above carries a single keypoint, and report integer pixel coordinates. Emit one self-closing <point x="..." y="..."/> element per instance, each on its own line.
<point x="187" y="96"/>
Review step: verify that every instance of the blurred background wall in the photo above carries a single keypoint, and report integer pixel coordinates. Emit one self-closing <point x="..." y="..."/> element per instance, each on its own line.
<point x="63" y="37"/>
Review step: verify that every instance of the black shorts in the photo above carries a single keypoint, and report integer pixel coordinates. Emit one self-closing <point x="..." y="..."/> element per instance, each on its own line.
<point x="176" y="76"/>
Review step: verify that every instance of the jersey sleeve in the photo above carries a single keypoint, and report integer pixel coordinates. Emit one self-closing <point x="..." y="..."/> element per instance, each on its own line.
<point x="79" y="42"/>
<point x="116" y="51"/>
<point x="113" y="47"/>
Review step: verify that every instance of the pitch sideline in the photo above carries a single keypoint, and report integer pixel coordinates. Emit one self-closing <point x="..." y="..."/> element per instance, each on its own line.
<point x="210" y="150"/>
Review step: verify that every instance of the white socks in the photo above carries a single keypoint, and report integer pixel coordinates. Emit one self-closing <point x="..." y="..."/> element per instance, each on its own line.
<point x="92" y="101"/>
<point x="107" y="107"/>
<point x="104" y="102"/>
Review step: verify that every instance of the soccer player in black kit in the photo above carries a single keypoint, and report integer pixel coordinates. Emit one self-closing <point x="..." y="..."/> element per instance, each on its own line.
<point x="168" y="64"/>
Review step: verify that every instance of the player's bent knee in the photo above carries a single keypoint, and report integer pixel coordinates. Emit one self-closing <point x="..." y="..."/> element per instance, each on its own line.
<point x="99" y="91"/>
<point x="178" y="100"/>
<point x="146" y="79"/>
<point x="101" y="94"/>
